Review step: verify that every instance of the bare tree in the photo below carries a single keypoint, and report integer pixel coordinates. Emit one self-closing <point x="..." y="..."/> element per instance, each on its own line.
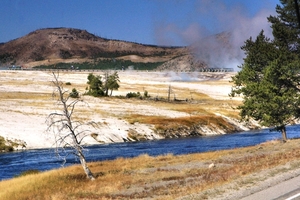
<point x="68" y="132"/>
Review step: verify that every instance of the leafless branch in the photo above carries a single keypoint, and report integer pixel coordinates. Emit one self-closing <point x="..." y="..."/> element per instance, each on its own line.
<point x="68" y="133"/>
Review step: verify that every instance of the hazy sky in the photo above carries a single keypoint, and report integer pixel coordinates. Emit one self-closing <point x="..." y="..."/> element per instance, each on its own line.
<point x="159" y="22"/>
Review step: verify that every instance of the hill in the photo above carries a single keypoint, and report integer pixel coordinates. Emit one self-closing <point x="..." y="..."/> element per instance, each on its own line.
<point x="67" y="45"/>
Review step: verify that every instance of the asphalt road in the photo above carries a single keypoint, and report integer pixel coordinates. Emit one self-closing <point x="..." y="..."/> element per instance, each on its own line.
<point x="287" y="190"/>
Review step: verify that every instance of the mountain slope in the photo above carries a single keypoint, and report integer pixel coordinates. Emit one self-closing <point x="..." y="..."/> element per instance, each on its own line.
<point x="66" y="45"/>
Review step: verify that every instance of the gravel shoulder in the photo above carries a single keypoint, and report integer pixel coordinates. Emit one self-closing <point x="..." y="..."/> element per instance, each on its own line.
<point x="254" y="183"/>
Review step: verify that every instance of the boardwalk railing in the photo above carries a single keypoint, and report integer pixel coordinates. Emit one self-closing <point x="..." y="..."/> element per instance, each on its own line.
<point x="99" y="70"/>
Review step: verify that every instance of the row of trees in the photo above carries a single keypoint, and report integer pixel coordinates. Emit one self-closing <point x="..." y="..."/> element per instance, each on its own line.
<point x="269" y="78"/>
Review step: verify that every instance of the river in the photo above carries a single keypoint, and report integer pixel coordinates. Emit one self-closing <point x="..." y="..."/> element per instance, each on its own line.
<point x="14" y="163"/>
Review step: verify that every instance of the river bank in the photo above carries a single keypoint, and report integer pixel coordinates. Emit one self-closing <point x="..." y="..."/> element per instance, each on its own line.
<point x="26" y="101"/>
<point x="228" y="174"/>
<point x="18" y="162"/>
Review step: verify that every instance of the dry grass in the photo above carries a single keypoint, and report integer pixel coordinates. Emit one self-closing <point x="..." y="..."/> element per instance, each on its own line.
<point x="205" y="105"/>
<point x="163" y="123"/>
<point x="24" y="95"/>
<point x="162" y="177"/>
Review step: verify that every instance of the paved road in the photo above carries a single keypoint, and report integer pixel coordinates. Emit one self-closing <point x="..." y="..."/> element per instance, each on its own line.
<point x="287" y="190"/>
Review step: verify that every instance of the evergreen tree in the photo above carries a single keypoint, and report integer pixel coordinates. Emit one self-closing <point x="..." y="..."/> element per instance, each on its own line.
<point x="74" y="93"/>
<point x="95" y="88"/>
<point x="285" y="27"/>
<point x="268" y="79"/>
<point x="112" y="82"/>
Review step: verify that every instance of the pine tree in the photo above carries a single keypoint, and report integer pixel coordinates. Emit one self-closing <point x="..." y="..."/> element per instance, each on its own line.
<point x="285" y="27"/>
<point x="95" y="85"/>
<point x="269" y="77"/>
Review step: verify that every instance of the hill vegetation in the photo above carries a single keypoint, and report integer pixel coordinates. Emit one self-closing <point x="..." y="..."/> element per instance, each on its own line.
<point x="104" y="64"/>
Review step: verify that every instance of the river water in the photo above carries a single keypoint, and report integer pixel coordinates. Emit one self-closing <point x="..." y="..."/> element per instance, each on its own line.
<point x="14" y="163"/>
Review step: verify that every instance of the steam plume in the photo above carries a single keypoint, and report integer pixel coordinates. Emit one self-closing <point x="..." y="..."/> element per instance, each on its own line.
<point x="217" y="40"/>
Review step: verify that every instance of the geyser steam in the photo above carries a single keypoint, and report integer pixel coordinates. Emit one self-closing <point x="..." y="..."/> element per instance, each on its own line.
<point x="219" y="31"/>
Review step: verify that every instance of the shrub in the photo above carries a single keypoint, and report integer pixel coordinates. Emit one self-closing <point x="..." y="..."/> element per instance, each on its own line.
<point x="146" y="95"/>
<point x="133" y="95"/>
<point x="4" y="147"/>
<point x="68" y="83"/>
<point x="74" y="93"/>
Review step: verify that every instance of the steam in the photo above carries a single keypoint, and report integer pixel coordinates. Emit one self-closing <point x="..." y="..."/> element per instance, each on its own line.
<point x="217" y="40"/>
<point x="182" y="76"/>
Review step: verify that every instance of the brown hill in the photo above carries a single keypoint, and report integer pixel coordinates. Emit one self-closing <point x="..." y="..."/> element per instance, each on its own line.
<point x="68" y="45"/>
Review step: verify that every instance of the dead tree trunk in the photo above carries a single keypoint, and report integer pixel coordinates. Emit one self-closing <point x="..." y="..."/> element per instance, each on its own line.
<point x="84" y="165"/>
<point x="68" y="135"/>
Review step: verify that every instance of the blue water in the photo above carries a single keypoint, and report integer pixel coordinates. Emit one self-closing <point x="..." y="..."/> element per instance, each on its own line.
<point x="12" y="164"/>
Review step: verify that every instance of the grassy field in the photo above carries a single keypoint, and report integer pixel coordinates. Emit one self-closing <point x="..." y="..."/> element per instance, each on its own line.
<point x="161" y="177"/>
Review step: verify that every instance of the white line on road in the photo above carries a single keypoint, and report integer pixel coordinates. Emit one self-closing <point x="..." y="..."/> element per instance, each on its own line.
<point x="293" y="197"/>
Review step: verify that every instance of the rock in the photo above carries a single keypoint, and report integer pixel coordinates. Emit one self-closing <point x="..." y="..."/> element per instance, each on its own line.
<point x="212" y="165"/>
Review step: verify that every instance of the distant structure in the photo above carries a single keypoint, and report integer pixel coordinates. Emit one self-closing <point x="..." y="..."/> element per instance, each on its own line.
<point x="216" y="70"/>
<point x="14" y="67"/>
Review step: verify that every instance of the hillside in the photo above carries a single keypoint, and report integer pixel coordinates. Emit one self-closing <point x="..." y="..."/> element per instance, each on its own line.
<point x="67" y="45"/>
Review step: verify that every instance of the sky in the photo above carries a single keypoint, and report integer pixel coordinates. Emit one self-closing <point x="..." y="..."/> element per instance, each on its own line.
<point x="156" y="22"/>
